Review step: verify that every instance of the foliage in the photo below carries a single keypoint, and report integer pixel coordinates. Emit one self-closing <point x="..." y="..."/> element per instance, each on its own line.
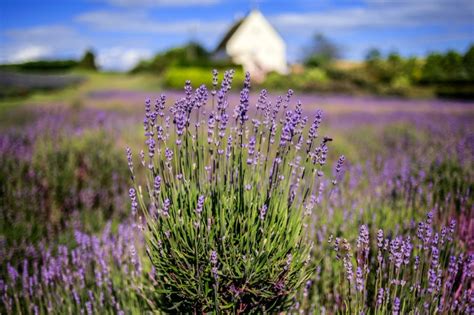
<point x="42" y="66"/>
<point x="175" y="76"/>
<point x="312" y="79"/>
<point x="451" y="73"/>
<point x="87" y="62"/>
<point x="322" y="52"/>
<point x="192" y="55"/>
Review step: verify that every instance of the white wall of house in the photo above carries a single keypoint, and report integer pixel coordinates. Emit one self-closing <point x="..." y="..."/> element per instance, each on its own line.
<point x="257" y="46"/>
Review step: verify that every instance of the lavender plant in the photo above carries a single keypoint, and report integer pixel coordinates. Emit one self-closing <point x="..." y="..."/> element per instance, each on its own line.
<point x="101" y="274"/>
<point x="225" y="199"/>
<point x="64" y="163"/>
<point x="422" y="271"/>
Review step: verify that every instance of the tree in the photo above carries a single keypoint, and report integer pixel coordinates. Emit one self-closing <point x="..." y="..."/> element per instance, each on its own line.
<point x="322" y="52"/>
<point x="433" y="68"/>
<point x="373" y="55"/>
<point x="468" y="62"/>
<point x="88" y="61"/>
<point x="453" y="66"/>
<point x="376" y="66"/>
<point x="189" y="55"/>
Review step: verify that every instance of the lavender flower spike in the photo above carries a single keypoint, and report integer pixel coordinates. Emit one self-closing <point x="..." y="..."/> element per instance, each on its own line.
<point x="133" y="198"/>
<point x="200" y="204"/>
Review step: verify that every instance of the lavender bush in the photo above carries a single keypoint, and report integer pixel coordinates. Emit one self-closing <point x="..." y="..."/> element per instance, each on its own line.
<point x="226" y="199"/>
<point x="100" y="274"/>
<point x="63" y="163"/>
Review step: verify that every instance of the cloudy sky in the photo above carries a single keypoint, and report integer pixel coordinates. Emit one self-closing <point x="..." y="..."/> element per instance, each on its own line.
<point x="122" y="32"/>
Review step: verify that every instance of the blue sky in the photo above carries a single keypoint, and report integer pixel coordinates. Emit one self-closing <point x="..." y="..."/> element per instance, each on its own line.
<point x="122" y="32"/>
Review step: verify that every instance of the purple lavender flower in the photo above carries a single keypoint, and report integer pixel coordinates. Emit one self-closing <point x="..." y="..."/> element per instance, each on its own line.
<point x="417" y="262"/>
<point x="129" y="159"/>
<point x="166" y="207"/>
<point x="214" y="264"/>
<point x="263" y="212"/>
<point x="221" y="102"/>
<point x="407" y="249"/>
<point x="142" y="157"/>
<point x="13" y="273"/>
<point x="133" y="198"/>
<point x="339" y="165"/>
<point x="160" y="105"/>
<point x="200" y="204"/>
<point x="211" y="123"/>
<point x="292" y="119"/>
<point x="359" y="280"/>
<point x="262" y="100"/>
<point x="215" y="80"/>
<point x="229" y="147"/>
<point x="380" y="295"/>
<point x="396" y="306"/>
<point x="289" y="94"/>
<point x="243" y="107"/>
<point x="251" y="150"/>
<point x="168" y="154"/>
<point x="363" y="239"/>
<point x="151" y="147"/>
<point x="157" y="184"/>
<point x="452" y="227"/>
<point x="201" y="96"/>
<point x="147" y="107"/>
<point x="227" y="81"/>
<point x="188" y="91"/>
<point x="396" y="251"/>
<point x="380" y="239"/>
<point x="313" y="130"/>
<point x="349" y="269"/>
<point x="289" y="259"/>
<point x="224" y="119"/>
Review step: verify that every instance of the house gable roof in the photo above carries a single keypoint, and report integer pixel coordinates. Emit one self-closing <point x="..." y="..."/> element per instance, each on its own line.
<point x="229" y="34"/>
<point x="234" y="28"/>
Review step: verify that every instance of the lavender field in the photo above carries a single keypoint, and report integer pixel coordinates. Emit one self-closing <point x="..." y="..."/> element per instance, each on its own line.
<point x="225" y="199"/>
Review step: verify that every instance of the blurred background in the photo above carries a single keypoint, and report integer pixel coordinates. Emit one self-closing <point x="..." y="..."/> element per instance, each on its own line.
<point x="414" y="49"/>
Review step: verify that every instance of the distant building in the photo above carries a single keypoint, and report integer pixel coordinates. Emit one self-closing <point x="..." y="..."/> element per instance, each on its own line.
<point x="253" y="43"/>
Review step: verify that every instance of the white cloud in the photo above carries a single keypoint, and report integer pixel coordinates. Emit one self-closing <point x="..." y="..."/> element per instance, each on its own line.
<point x="27" y="53"/>
<point x="41" y="42"/>
<point x="377" y="13"/>
<point x="120" y="58"/>
<point x="157" y="3"/>
<point x="55" y="36"/>
<point x="141" y="22"/>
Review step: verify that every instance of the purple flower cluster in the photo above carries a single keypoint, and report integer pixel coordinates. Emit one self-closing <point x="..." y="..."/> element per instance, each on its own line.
<point x="414" y="269"/>
<point x="200" y="204"/>
<point x="243" y="107"/>
<point x="97" y="275"/>
<point x="133" y="198"/>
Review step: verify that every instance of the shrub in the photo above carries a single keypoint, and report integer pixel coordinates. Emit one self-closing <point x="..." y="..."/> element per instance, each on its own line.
<point x="175" y="76"/>
<point x="227" y="201"/>
<point x="75" y="177"/>
<point x="54" y="176"/>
